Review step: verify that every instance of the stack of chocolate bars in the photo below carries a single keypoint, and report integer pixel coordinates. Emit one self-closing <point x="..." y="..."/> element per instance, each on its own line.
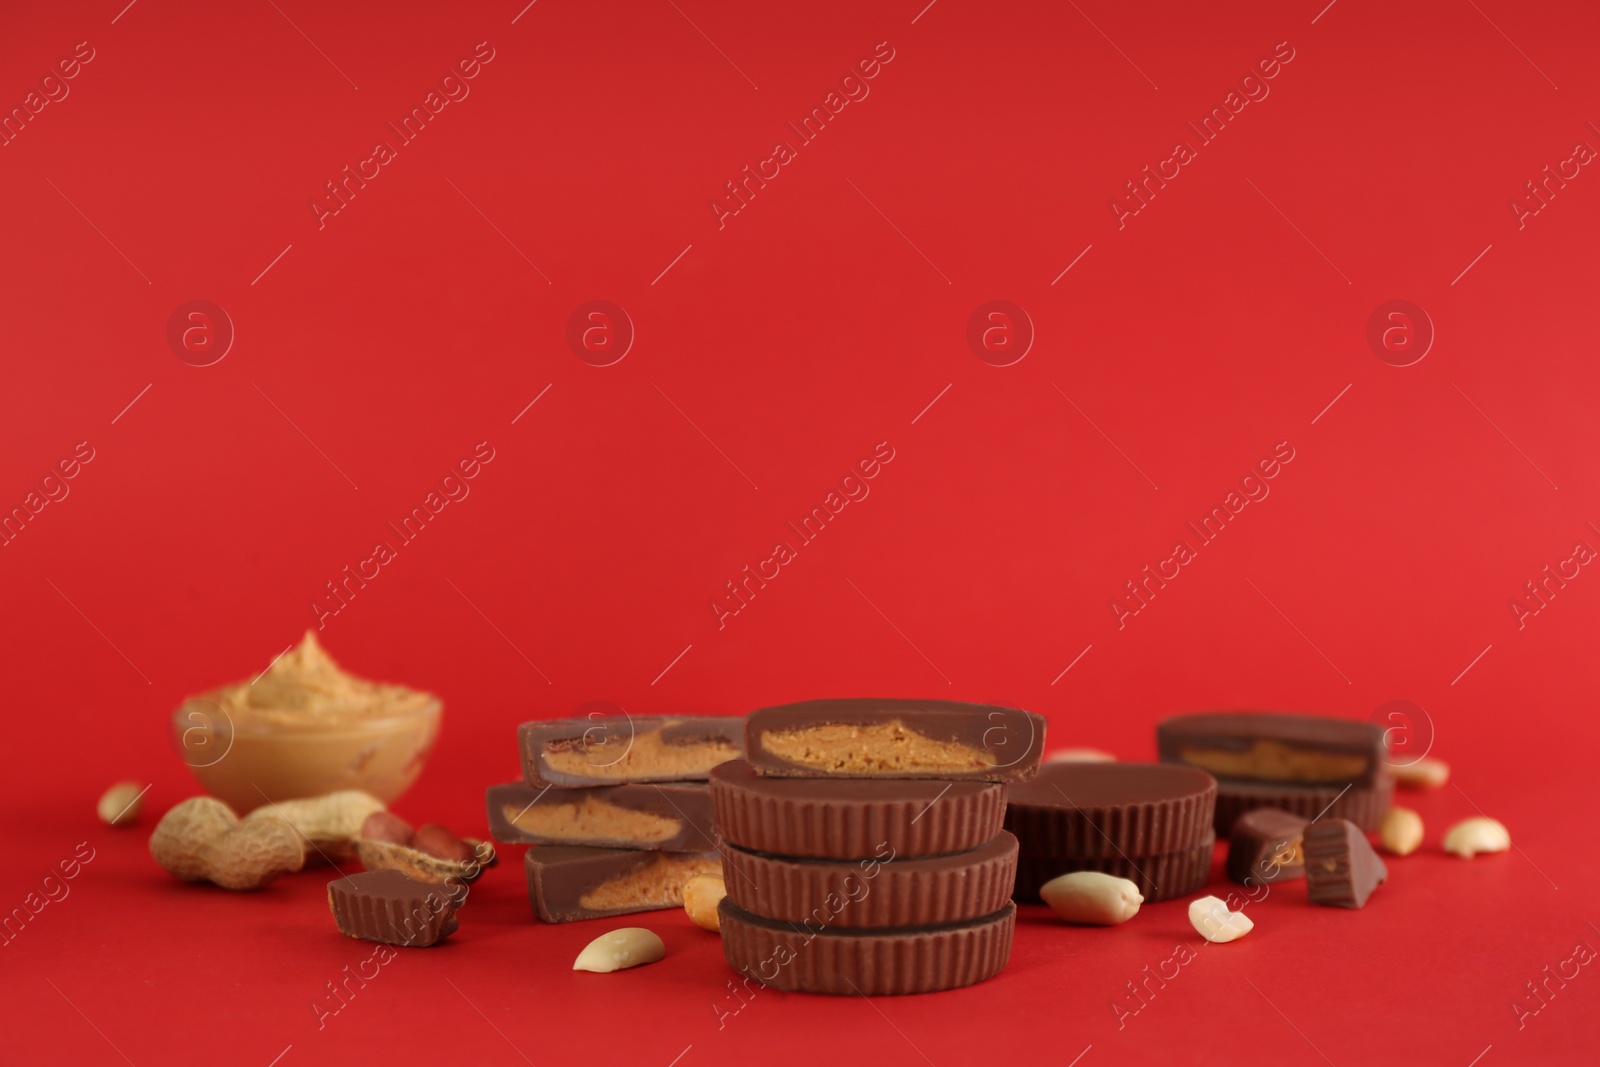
<point x="1147" y="822"/>
<point x="863" y="844"/>
<point x="1305" y="765"/>
<point x="619" y="809"/>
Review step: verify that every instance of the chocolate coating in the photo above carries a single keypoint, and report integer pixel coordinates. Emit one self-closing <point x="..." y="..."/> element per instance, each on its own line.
<point x="853" y="819"/>
<point x="671" y="816"/>
<point x="852" y="894"/>
<point x="884" y="738"/>
<point x="1086" y="810"/>
<point x="1162" y="877"/>
<point x="810" y="959"/>
<point x="1363" y="806"/>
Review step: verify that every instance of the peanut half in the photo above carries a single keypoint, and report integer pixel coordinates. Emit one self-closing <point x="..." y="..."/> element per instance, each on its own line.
<point x="701" y="895"/>
<point x="1425" y="773"/>
<point x="1401" y="831"/>
<point x="1091" y="898"/>
<point x="1213" y="921"/>
<point x="121" y="804"/>
<point x="630" y="946"/>
<point x="1478" y="834"/>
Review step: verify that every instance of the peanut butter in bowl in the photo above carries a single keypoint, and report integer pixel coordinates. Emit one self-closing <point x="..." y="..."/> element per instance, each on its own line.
<point x="303" y="727"/>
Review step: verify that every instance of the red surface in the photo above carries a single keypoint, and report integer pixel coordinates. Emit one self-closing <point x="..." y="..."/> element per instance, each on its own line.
<point x="1220" y="321"/>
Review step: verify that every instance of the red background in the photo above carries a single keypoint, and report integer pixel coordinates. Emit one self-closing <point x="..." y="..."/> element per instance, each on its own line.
<point x="822" y="319"/>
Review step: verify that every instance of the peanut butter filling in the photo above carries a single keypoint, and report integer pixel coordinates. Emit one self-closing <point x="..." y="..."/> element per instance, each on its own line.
<point x="660" y="882"/>
<point x="591" y="818"/>
<point x="646" y="754"/>
<point x="1274" y="761"/>
<point x="1288" y="854"/>
<point x="882" y="748"/>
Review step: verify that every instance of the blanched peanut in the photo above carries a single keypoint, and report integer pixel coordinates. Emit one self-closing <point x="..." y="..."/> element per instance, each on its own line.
<point x="1091" y="898"/>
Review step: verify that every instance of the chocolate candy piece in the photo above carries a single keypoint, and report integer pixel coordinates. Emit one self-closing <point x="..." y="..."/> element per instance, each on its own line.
<point x="1265" y="747"/>
<point x="813" y="959"/>
<point x="850" y="819"/>
<point x="672" y="817"/>
<point x="895" y="739"/>
<point x="1162" y="877"/>
<point x="1342" y="870"/>
<point x="387" y="906"/>
<point x="1085" y="810"/>
<point x="567" y="884"/>
<point x="1363" y="806"/>
<point x="1265" y="847"/>
<point x="612" y="751"/>
<point x="854" y="894"/>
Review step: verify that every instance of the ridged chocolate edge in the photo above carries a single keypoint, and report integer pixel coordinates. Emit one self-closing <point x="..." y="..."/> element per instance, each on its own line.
<point x="869" y="894"/>
<point x="854" y="829"/>
<point x="383" y="919"/>
<point x="882" y="964"/>
<point x="1364" y="807"/>
<point x="1331" y="868"/>
<point x="1162" y="877"/>
<point x="1145" y="828"/>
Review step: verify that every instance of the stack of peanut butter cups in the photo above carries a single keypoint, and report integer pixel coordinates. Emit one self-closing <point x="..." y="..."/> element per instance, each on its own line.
<point x="863" y="849"/>
<point x="1147" y="822"/>
<point x="617" y="809"/>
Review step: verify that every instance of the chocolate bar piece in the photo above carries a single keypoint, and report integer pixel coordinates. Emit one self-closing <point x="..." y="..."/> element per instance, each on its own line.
<point x="895" y="739"/>
<point x="1265" y="847"/>
<point x="1342" y="870"/>
<point x="567" y="884"/>
<point x="612" y="751"/>
<point x="1085" y="810"/>
<point x="1160" y="877"/>
<point x="1363" y="806"/>
<point x="808" y="958"/>
<point x="853" y="894"/>
<point x="387" y="906"/>
<point x="1268" y="747"/>
<point x="851" y="819"/>
<point x="672" y="816"/>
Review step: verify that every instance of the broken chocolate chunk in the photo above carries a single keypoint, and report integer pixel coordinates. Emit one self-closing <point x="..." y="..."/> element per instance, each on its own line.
<point x="1265" y="847"/>
<point x="1342" y="869"/>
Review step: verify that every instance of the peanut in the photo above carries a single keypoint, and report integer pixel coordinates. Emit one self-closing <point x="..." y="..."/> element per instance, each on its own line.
<point x="630" y="946"/>
<point x="331" y="823"/>
<point x="1213" y="921"/>
<point x="202" y="839"/>
<point x="385" y="826"/>
<point x="1469" y="837"/>
<point x="701" y="895"/>
<point x="121" y="804"/>
<point x="1401" y="831"/>
<point x="1090" y="898"/>
<point x="1080" y="755"/>
<point x="1425" y="773"/>
<point x="434" y="840"/>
